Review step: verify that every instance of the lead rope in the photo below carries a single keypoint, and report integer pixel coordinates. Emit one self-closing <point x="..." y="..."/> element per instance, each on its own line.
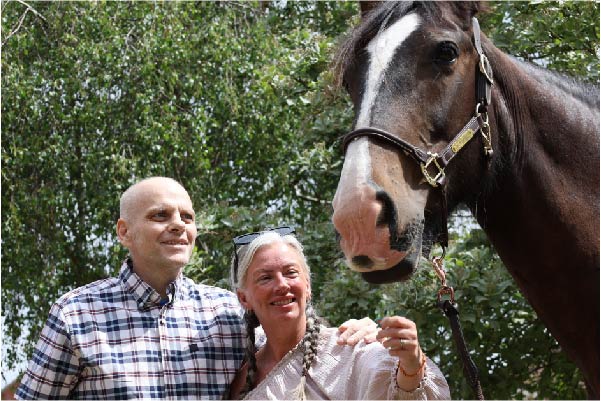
<point x="446" y="302"/>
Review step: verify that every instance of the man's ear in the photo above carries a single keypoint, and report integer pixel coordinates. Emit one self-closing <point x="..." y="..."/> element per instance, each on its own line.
<point x="123" y="233"/>
<point x="243" y="299"/>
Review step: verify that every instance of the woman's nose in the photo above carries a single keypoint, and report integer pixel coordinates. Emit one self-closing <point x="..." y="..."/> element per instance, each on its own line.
<point x="281" y="284"/>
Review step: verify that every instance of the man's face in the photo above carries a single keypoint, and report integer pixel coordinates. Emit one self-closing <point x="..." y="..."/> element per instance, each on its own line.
<point x="159" y="229"/>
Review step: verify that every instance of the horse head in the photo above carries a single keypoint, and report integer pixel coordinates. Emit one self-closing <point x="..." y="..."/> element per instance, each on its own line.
<point x="411" y="71"/>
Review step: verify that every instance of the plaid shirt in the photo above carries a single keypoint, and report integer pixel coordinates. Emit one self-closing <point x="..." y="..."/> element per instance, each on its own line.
<point x="114" y="339"/>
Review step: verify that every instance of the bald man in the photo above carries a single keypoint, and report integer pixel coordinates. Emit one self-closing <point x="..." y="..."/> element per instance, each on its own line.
<point x="150" y="332"/>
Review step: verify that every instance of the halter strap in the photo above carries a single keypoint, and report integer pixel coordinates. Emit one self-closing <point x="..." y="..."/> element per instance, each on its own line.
<point x="428" y="161"/>
<point x="485" y="77"/>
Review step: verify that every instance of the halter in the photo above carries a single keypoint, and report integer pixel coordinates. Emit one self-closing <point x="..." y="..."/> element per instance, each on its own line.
<point x="433" y="165"/>
<point x="433" y="169"/>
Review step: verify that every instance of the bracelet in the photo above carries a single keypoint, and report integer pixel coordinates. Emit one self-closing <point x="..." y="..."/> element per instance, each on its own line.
<point x="421" y="366"/>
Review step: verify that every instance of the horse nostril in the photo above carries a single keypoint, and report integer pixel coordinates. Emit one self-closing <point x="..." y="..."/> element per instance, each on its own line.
<point x="387" y="215"/>
<point x="362" y="261"/>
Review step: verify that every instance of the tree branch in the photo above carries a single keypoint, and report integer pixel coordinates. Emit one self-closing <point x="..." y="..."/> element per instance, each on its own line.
<point x="309" y="198"/>
<point x="28" y="9"/>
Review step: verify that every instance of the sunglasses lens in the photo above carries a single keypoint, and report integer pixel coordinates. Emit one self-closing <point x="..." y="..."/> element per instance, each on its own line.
<point x="284" y="230"/>
<point x="245" y="239"/>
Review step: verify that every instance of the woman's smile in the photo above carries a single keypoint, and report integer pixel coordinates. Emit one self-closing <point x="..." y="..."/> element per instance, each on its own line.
<point x="284" y="302"/>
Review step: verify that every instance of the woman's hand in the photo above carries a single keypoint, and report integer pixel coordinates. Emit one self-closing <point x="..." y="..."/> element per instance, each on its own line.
<point x="352" y="331"/>
<point x="399" y="336"/>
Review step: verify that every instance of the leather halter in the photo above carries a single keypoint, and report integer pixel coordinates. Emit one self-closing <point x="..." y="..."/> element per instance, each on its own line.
<point x="433" y="164"/>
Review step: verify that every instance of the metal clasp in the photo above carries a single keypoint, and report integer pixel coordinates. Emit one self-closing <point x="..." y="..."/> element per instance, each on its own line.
<point x="434" y="181"/>
<point x="445" y="290"/>
<point x="485" y="67"/>
<point x="485" y="130"/>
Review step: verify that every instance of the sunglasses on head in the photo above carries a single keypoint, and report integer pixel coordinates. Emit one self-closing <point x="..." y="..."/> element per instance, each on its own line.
<point x="246" y="239"/>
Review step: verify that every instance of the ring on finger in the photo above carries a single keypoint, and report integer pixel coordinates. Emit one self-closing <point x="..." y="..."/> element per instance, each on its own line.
<point x="403" y="341"/>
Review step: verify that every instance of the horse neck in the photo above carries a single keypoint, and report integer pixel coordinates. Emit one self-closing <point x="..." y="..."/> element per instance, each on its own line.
<point x="540" y="202"/>
<point x="536" y="108"/>
<point x="547" y="143"/>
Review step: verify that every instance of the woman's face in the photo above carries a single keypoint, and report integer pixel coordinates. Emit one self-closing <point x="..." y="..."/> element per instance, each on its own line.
<point x="276" y="287"/>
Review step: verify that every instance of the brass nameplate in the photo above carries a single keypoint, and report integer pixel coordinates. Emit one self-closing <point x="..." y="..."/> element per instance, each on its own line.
<point x="462" y="140"/>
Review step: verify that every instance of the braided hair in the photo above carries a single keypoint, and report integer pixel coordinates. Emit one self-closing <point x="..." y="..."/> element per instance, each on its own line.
<point x="252" y="322"/>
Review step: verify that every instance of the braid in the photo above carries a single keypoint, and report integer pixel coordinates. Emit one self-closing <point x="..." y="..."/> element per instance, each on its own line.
<point x="310" y="338"/>
<point x="309" y="347"/>
<point x="251" y="323"/>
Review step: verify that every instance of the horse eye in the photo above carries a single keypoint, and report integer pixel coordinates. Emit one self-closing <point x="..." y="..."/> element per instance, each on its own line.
<point x="446" y="53"/>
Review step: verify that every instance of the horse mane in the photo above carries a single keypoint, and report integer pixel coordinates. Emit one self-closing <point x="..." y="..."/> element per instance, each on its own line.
<point x="576" y="88"/>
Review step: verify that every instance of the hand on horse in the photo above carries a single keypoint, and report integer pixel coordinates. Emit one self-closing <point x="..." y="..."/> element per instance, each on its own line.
<point x="399" y="336"/>
<point x="352" y="331"/>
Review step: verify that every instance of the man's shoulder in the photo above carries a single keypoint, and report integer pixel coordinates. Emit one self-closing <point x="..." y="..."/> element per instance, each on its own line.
<point x="106" y="288"/>
<point x="205" y="291"/>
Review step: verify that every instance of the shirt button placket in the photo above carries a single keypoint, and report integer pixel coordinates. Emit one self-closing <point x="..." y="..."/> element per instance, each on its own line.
<point x="165" y="354"/>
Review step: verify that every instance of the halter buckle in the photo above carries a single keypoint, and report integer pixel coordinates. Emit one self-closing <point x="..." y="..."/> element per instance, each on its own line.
<point x="437" y="179"/>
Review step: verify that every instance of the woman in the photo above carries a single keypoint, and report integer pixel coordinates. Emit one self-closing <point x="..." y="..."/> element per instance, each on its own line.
<point x="300" y="358"/>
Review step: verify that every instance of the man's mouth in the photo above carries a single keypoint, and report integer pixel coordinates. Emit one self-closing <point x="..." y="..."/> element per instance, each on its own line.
<point x="176" y="242"/>
<point x="284" y="302"/>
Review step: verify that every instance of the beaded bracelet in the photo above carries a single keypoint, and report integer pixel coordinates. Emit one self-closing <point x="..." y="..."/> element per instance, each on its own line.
<point x="421" y="366"/>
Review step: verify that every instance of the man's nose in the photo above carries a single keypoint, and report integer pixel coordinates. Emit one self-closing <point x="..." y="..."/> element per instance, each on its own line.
<point x="177" y="223"/>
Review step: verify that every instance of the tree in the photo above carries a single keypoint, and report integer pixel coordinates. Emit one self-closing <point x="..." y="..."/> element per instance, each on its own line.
<point x="102" y="94"/>
<point x="234" y="100"/>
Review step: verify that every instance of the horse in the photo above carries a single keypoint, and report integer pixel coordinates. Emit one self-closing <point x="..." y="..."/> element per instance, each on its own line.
<point x="443" y="118"/>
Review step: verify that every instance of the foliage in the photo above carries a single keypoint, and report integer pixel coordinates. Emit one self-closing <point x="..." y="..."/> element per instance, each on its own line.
<point x="552" y="34"/>
<point x="234" y="100"/>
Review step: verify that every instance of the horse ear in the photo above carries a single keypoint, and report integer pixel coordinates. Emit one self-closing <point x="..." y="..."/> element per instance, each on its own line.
<point x="468" y="9"/>
<point x="367" y="6"/>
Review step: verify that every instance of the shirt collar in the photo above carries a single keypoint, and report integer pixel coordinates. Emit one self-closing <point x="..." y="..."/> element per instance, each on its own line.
<point x="147" y="297"/>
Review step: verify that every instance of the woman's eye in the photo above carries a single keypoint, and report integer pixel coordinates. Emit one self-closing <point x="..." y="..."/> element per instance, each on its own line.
<point x="446" y="53"/>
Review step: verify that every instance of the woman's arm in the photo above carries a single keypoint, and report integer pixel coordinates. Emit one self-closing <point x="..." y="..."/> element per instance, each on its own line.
<point x="399" y="336"/>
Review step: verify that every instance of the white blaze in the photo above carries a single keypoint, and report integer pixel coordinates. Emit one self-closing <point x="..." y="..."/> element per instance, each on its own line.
<point x="357" y="164"/>
<point x="381" y="49"/>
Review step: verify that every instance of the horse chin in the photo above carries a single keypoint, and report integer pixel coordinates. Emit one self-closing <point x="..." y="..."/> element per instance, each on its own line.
<point x="402" y="271"/>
